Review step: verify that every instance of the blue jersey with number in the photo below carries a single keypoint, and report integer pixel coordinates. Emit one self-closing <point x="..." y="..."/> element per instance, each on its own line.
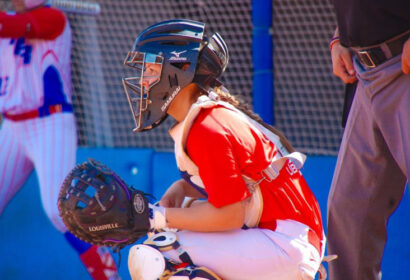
<point x="35" y="69"/>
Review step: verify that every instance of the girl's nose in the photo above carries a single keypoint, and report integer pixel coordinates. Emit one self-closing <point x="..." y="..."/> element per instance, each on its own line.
<point x="146" y="82"/>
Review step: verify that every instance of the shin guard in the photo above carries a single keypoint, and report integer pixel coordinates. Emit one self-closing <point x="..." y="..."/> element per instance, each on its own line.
<point x="146" y="262"/>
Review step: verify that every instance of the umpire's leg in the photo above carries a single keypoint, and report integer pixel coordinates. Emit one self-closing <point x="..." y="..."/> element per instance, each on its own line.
<point x="366" y="189"/>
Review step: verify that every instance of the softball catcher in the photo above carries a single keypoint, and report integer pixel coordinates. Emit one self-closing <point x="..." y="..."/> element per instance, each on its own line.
<point x="252" y="216"/>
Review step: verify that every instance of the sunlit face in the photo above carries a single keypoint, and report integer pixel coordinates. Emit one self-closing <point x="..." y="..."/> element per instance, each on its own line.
<point x="147" y="69"/>
<point x="150" y="74"/>
<point x="19" y="6"/>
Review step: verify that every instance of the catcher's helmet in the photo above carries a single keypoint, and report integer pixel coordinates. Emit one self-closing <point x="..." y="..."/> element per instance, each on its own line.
<point x="183" y="55"/>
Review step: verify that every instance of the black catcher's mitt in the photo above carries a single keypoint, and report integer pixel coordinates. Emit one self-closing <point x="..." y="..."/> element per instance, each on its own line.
<point x="99" y="208"/>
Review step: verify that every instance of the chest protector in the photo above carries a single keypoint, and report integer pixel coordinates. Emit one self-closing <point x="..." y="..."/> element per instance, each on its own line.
<point x="180" y="131"/>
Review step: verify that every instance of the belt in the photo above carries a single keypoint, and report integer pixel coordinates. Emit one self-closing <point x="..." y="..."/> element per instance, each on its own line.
<point x="376" y="55"/>
<point x="41" y="112"/>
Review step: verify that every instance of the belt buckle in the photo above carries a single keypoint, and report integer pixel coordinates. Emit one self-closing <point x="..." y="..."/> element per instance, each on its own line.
<point x="366" y="53"/>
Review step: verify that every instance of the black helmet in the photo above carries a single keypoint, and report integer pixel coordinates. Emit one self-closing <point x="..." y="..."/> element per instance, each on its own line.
<point x="184" y="54"/>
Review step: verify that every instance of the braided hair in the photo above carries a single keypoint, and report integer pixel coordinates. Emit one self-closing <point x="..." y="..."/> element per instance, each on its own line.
<point x="226" y="96"/>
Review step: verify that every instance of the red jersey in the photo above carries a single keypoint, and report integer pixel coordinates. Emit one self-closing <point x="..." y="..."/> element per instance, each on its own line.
<point x="224" y="148"/>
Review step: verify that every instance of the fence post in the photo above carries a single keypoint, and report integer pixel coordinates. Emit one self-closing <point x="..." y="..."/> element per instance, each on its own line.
<point x="262" y="58"/>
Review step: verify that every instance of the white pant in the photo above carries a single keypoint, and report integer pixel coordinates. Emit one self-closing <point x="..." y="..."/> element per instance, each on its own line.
<point x="254" y="253"/>
<point x="47" y="144"/>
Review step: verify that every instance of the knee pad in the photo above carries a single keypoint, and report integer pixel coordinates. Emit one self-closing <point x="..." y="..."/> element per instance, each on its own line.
<point x="145" y="263"/>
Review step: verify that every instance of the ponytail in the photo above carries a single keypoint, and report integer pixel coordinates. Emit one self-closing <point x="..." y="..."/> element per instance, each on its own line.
<point x="224" y="95"/>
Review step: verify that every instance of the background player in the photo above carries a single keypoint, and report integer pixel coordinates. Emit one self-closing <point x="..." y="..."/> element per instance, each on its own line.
<point x="374" y="158"/>
<point x="258" y="218"/>
<point x="38" y="129"/>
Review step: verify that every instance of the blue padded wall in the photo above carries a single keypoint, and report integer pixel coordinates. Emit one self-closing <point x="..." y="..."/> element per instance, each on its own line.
<point x="32" y="249"/>
<point x="134" y="165"/>
<point x="164" y="173"/>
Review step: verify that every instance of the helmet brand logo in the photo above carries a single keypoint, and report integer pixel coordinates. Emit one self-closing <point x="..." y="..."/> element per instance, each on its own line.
<point x="103" y="227"/>
<point x="177" y="57"/>
<point x="168" y="101"/>
<point x="177" y="54"/>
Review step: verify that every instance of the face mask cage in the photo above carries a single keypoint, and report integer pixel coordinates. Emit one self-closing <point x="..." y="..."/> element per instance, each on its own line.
<point x="148" y="68"/>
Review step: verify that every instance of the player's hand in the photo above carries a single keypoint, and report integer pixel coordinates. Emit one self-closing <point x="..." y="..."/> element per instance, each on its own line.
<point x="175" y="195"/>
<point x="343" y="64"/>
<point x="405" y="57"/>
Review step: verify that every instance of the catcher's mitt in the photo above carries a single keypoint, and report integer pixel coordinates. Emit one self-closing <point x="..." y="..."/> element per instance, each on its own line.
<point x="99" y="208"/>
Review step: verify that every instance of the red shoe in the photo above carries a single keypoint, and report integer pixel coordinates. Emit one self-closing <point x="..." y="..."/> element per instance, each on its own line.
<point x="100" y="264"/>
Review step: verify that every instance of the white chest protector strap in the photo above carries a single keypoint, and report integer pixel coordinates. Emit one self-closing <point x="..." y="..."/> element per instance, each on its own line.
<point x="180" y="132"/>
<point x="272" y="171"/>
<point x="254" y="205"/>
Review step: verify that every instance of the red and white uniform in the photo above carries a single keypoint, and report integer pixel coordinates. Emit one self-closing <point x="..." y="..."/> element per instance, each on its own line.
<point x="223" y="153"/>
<point x="38" y="128"/>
